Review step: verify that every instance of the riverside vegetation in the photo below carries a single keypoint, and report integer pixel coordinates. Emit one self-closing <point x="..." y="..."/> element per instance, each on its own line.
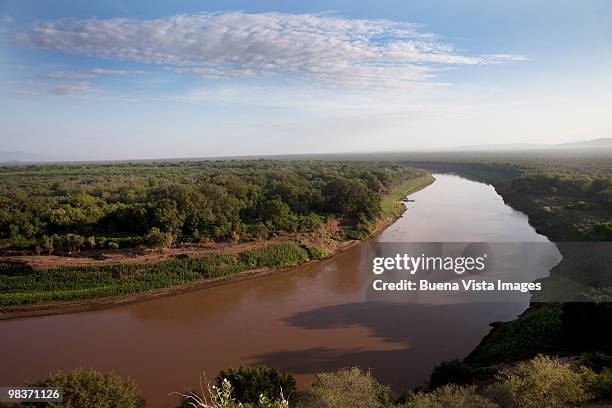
<point x="297" y="211"/>
<point x="542" y="382"/>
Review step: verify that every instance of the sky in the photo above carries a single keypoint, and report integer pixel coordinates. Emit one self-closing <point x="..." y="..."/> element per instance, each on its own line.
<point x="98" y="80"/>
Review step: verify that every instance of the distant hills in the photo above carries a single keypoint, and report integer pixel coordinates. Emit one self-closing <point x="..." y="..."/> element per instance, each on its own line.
<point x="602" y="143"/>
<point x="599" y="144"/>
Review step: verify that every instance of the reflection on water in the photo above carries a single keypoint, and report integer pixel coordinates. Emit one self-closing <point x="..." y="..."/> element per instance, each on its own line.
<point x="310" y="319"/>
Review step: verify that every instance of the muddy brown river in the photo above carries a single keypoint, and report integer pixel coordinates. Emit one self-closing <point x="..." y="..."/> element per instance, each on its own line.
<point x="310" y="319"/>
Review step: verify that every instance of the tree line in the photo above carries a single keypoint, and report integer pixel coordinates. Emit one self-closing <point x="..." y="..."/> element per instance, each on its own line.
<point x="69" y="207"/>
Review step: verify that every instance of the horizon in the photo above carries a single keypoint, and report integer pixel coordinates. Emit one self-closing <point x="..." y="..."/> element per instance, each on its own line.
<point x="586" y="146"/>
<point x="146" y="80"/>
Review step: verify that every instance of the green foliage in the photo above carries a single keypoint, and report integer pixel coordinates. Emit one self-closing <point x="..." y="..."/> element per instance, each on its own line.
<point x="542" y="382"/>
<point x="222" y="396"/>
<point x="251" y="383"/>
<point x="391" y="205"/>
<point x="348" y="387"/>
<point x="157" y="239"/>
<point x="351" y="198"/>
<point x="316" y="253"/>
<point x="597" y="385"/>
<point x="84" y="388"/>
<point x="536" y="331"/>
<point x="604" y="230"/>
<point x="449" y="396"/>
<point x="451" y="372"/>
<point x="596" y="361"/>
<point x="21" y="286"/>
<point x="192" y="201"/>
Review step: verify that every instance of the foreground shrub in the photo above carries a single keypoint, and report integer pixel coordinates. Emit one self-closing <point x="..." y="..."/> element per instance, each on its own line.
<point x="348" y="387"/>
<point x="449" y="396"/>
<point x="223" y="397"/>
<point x="451" y="372"/>
<point x="88" y="388"/>
<point x="543" y="382"/>
<point x="249" y="383"/>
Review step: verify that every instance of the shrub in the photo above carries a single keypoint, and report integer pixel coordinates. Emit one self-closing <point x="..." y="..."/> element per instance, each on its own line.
<point x="69" y="242"/>
<point x="249" y="383"/>
<point x="543" y="382"/>
<point x="316" y="253"/>
<point x="223" y="397"/>
<point x="596" y="361"/>
<point x="348" y="387"/>
<point x="451" y="372"/>
<point x="598" y="385"/>
<point x="449" y="396"/>
<point x="157" y="239"/>
<point x="90" y="388"/>
<point x="310" y="222"/>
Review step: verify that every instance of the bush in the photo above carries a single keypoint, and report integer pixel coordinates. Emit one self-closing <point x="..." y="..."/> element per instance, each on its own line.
<point x="223" y="397"/>
<point x="316" y="253"/>
<point x="451" y="372"/>
<point x="449" y="396"/>
<point x="598" y="385"/>
<point x="83" y="388"/>
<point x="543" y="382"/>
<point x="157" y="239"/>
<point x="348" y="387"/>
<point x="596" y="361"/>
<point x="249" y="383"/>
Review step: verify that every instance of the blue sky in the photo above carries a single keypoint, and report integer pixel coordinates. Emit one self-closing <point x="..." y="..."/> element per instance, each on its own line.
<point x="151" y="79"/>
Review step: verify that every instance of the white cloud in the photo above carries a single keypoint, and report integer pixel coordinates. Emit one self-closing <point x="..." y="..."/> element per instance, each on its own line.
<point x="334" y="50"/>
<point x="6" y="18"/>
<point x="33" y="88"/>
<point x="92" y="73"/>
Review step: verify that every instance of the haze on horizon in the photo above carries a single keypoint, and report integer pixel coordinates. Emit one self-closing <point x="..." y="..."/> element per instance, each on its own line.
<point x="151" y="79"/>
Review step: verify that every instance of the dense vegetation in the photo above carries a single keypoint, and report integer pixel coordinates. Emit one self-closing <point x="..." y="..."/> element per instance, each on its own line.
<point x="65" y="208"/>
<point x="249" y="383"/>
<point x="21" y="285"/>
<point x="542" y="382"/>
<point x="90" y="210"/>
<point x="90" y="388"/>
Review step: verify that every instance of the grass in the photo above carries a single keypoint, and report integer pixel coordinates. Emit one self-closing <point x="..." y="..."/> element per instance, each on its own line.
<point x="536" y="331"/>
<point x="21" y="286"/>
<point x="391" y="204"/>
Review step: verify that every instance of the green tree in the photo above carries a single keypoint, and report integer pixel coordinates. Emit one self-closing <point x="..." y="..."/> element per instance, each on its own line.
<point x="88" y="388"/>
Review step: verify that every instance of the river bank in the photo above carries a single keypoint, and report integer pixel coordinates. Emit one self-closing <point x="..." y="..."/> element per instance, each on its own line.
<point x="546" y="326"/>
<point x="313" y="249"/>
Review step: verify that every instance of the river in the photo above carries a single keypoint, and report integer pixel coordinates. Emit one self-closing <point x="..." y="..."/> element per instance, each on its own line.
<point x="310" y="319"/>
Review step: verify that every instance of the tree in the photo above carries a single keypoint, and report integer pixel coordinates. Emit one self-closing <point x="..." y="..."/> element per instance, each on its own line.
<point x="157" y="239"/>
<point x="251" y="382"/>
<point x="350" y="197"/>
<point x="90" y="388"/>
<point x="348" y="387"/>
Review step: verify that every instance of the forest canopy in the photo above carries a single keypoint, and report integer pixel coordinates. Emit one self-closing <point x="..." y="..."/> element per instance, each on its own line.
<point x="64" y="207"/>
